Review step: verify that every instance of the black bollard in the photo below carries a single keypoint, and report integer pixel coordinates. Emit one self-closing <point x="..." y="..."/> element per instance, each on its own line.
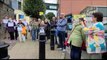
<point x="4" y="50"/>
<point x="42" y="46"/>
<point x="52" y="42"/>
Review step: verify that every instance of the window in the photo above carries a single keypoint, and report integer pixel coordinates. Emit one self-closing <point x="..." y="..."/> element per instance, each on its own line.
<point x="19" y="5"/>
<point x="21" y="16"/>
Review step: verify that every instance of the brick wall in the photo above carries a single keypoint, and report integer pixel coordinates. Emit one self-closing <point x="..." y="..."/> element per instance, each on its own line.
<point x="75" y="6"/>
<point x="5" y="10"/>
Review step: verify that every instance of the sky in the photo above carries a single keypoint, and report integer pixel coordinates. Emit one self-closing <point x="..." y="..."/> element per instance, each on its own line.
<point x="50" y="1"/>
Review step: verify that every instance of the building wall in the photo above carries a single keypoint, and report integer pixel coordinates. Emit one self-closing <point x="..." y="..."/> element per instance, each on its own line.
<point x="19" y="12"/>
<point x="75" y="6"/>
<point x="50" y="10"/>
<point x="8" y="2"/>
<point x="5" y="10"/>
<point x="14" y="4"/>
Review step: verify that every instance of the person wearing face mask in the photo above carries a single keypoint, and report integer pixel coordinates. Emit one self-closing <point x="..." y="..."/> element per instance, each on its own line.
<point x="10" y="27"/>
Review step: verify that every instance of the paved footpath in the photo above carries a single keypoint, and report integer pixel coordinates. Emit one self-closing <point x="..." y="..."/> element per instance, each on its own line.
<point x="30" y="50"/>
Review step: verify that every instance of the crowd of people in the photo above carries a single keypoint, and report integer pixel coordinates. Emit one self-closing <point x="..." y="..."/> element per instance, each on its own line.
<point x="15" y="29"/>
<point x="80" y="32"/>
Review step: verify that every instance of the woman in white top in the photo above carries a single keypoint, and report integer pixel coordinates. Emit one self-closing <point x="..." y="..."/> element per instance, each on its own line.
<point x="10" y="27"/>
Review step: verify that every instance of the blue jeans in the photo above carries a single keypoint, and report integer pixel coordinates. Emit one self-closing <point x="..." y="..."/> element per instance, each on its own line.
<point x="33" y="33"/>
<point x="56" y="35"/>
<point x="75" y="53"/>
<point x="61" y="35"/>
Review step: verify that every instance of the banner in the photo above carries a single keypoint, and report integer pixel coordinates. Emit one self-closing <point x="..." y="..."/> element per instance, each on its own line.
<point x="78" y="16"/>
<point x="41" y="13"/>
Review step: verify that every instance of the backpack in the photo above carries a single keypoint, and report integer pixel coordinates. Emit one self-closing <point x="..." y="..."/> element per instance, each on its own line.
<point x="69" y="26"/>
<point x="24" y="30"/>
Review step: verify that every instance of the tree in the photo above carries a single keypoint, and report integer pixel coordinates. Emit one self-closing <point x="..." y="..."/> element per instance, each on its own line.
<point x="50" y="15"/>
<point x="33" y="7"/>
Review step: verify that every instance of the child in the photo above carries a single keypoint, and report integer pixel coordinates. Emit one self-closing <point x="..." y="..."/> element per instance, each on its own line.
<point x="21" y="31"/>
<point x="24" y="32"/>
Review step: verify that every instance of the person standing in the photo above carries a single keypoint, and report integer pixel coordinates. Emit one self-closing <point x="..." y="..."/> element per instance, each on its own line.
<point x="34" y="24"/>
<point x="19" y="28"/>
<point x="47" y="29"/>
<point x="27" y="26"/>
<point x="39" y="21"/>
<point x="53" y="24"/>
<point x="4" y="22"/>
<point x="61" y="27"/>
<point x="10" y="28"/>
<point x="76" y="39"/>
<point x="16" y="32"/>
<point x="24" y="33"/>
<point x="96" y="36"/>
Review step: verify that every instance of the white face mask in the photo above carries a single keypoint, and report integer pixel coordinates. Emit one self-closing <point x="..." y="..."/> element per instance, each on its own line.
<point x="10" y="20"/>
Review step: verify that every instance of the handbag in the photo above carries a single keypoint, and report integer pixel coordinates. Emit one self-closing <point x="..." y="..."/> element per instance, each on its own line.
<point x="66" y="41"/>
<point x="69" y="26"/>
<point x="24" y="31"/>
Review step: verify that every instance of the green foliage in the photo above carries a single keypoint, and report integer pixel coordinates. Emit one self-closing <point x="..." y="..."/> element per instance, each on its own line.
<point x="50" y="15"/>
<point x="42" y="17"/>
<point x="33" y="7"/>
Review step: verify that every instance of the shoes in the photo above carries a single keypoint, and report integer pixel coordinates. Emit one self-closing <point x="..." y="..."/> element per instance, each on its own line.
<point x="60" y="49"/>
<point x="64" y="50"/>
<point x="58" y="46"/>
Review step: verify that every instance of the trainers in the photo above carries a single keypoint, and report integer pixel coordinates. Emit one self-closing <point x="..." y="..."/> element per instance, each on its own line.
<point x="59" y="48"/>
<point x="64" y="50"/>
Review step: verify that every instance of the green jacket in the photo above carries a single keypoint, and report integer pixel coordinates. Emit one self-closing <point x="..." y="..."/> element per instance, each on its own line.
<point x="77" y="36"/>
<point x="34" y="24"/>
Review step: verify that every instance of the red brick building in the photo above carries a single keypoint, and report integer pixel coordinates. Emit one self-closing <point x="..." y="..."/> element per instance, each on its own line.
<point x="76" y="6"/>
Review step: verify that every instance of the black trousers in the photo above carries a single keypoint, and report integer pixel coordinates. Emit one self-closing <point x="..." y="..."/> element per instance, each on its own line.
<point x="75" y="53"/>
<point x="16" y="34"/>
<point x="47" y="34"/>
<point x="61" y="35"/>
<point x="11" y="35"/>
